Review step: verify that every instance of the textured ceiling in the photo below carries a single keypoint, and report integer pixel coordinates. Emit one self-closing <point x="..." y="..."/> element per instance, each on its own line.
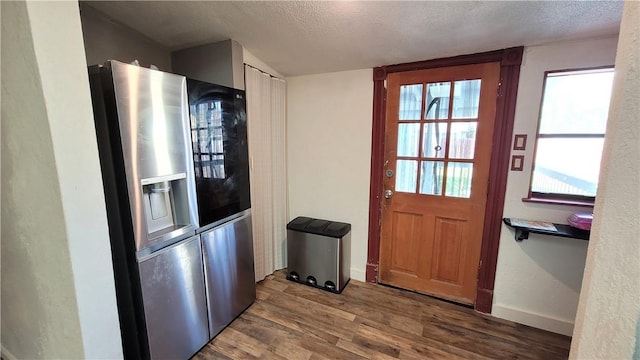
<point x="308" y="37"/>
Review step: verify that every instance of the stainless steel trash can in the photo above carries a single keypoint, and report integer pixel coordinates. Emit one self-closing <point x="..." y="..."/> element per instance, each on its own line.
<point x="319" y="253"/>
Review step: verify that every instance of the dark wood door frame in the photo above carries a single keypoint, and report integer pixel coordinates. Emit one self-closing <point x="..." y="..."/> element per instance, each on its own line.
<point x="510" y="60"/>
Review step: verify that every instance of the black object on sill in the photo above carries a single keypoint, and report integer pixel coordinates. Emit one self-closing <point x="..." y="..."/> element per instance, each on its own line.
<point x="562" y="230"/>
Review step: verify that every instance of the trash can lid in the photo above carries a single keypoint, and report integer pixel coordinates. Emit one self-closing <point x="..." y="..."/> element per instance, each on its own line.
<point x="319" y="227"/>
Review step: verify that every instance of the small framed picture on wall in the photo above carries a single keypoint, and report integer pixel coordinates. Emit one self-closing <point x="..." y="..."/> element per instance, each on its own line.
<point x="517" y="162"/>
<point x="520" y="142"/>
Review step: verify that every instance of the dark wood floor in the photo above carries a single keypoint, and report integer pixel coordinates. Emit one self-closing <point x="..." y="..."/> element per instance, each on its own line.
<point x="293" y="321"/>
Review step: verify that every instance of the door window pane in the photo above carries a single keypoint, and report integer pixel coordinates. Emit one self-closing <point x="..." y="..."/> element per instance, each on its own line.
<point x="560" y="171"/>
<point x="463" y="140"/>
<point x="466" y="99"/>
<point x="459" y="179"/>
<point x="408" y="139"/>
<point x="431" y="173"/>
<point x="437" y="105"/>
<point x="406" y="175"/>
<point x="410" y="102"/>
<point x="434" y="140"/>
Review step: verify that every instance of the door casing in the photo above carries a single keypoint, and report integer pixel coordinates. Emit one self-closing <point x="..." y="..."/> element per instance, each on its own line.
<point x="510" y="60"/>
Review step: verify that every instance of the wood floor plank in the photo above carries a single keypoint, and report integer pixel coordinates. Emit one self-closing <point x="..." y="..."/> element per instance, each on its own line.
<point x="233" y="349"/>
<point x="317" y="356"/>
<point x="328" y="350"/>
<point x="496" y="327"/>
<point x="284" y="318"/>
<point x="312" y="306"/>
<point x="432" y="308"/>
<point x="481" y="344"/>
<point x="209" y="352"/>
<point x="291" y="350"/>
<point x="312" y="316"/>
<point x="263" y="330"/>
<point x="261" y="294"/>
<point x="276" y="285"/>
<point x="363" y="350"/>
<point x="493" y="346"/>
<point x="383" y="299"/>
<point x="367" y="321"/>
<point x="395" y="319"/>
<point x="249" y="344"/>
<point x="272" y="356"/>
<point x="384" y="347"/>
<point x="413" y="345"/>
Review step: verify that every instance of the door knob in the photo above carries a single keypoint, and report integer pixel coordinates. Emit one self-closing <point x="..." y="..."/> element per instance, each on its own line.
<point x="388" y="194"/>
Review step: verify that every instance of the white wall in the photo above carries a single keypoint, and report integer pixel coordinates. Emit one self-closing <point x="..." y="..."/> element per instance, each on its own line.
<point x="607" y="324"/>
<point x="105" y="39"/>
<point x="538" y="280"/>
<point x="217" y="63"/>
<point x="329" y="152"/>
<point x="58" y="298"/>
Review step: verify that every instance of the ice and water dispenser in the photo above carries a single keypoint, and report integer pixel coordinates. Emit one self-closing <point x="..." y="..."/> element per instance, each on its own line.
<point x="319" y="253"/>
<point x="165" y="204"/>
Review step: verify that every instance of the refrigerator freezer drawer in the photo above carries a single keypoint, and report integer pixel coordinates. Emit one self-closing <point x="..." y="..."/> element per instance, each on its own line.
<point x="229" y="271"/>
<point x="173" y="295"/>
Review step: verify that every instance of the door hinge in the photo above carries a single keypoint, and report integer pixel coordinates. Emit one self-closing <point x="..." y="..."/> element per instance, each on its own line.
<point x="499" y="89"/>
<point x="377" y="277"/>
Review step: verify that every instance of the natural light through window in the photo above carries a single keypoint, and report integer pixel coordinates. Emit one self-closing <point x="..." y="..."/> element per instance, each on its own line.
<point x="571" y="132"/>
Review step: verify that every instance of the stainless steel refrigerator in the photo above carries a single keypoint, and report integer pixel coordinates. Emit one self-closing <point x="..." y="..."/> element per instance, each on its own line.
<point x="221" y="160"/>
<point x="142" y="127"/>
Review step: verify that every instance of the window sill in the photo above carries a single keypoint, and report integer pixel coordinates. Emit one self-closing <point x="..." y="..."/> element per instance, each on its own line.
<point x="558" y="202"/>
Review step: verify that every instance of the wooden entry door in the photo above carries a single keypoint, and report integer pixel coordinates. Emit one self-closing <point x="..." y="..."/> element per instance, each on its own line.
<point x="439" y="130"/>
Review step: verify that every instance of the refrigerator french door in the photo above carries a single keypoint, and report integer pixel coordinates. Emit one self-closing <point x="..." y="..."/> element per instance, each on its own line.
<point x="221" y="160"/>
<point x="230" y="277"/>
<point x="220" y="151"/>
<point x="142" y="128"/>
<point x="174" y="300"/>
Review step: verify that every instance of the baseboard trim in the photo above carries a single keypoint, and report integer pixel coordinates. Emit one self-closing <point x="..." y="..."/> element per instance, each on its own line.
<point x="358" y="274"/>
<point x="6" y="355"/>
<point x="539" y="321"/>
